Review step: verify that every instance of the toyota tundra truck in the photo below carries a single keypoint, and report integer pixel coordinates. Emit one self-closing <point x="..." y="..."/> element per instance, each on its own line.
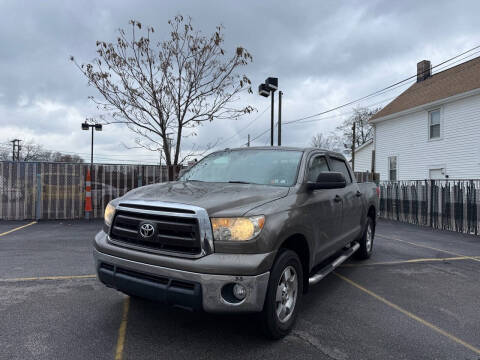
<point x="243" y="230"/>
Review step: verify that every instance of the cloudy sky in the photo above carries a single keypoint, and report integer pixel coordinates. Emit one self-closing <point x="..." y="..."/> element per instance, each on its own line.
<point x="325" y="53"/>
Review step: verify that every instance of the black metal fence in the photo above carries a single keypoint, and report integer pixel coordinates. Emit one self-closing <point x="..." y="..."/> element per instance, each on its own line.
<point x="367" y="176"/>
<point x="440" y="204"/>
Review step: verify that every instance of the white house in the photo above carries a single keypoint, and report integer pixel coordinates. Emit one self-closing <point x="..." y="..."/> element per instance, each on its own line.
<point x="363" y="157"/>
<point x="431" y="130"/>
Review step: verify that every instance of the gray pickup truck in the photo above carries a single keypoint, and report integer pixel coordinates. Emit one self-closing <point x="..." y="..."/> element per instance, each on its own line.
<point x="244" y="230"/>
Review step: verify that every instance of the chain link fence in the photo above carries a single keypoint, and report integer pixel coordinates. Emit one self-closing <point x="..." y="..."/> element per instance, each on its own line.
<point x="38" y="190"/>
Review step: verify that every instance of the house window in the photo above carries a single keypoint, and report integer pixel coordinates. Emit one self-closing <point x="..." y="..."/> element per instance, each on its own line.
<point x="392" y="168"/>
<point x="434" y="124"/>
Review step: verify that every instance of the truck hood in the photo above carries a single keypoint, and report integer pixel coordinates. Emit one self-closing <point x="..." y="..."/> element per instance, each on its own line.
<point x="219" y="199"/>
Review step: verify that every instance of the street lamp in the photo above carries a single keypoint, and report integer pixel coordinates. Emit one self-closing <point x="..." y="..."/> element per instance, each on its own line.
<point x="266" y="89"/>
<point x="97" y="127"/>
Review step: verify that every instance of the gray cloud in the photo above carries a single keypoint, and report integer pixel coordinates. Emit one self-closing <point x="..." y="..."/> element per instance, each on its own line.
<point x="324" y="53"/>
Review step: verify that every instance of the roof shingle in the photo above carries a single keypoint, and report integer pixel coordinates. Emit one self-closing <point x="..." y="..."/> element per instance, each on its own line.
<point x="453" y="81"/>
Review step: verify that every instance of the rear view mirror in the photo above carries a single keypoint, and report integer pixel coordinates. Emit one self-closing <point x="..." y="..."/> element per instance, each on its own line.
<point x="328" y="180"/>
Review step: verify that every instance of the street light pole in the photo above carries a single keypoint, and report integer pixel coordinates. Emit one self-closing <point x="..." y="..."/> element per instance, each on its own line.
<point x="268" y="89"/>
<point x="272" y="109"/>
<point x="97" y="127"/>
<point x="280" y="93"/>
<point x="91" y="153"/>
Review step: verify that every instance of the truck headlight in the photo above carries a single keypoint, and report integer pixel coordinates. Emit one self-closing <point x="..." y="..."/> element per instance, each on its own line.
<point x="109" y="212"/>
<point x="237" y="229"/>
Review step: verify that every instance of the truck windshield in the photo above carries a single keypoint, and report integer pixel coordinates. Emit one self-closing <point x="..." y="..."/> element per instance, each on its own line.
<point x="265" y="167"/>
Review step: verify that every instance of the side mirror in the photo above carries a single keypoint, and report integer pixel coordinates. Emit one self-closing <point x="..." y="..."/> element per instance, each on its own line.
<point x="328" y="180"/>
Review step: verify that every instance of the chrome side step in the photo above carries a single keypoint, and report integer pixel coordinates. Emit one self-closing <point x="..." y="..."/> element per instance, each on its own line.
<point x="330" y="267"/>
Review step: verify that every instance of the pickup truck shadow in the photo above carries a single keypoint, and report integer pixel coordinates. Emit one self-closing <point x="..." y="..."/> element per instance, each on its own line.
<point x="149" y="322"/>
<point x="152" y="319"/>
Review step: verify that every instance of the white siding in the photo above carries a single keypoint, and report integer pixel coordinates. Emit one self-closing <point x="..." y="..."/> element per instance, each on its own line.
<point x="457" y="151"/>
<point x="363" y="158"/>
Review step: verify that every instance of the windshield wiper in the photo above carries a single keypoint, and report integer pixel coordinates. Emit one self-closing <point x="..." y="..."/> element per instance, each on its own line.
<point x="195" y="180"/>
<point x="238" y="182"/>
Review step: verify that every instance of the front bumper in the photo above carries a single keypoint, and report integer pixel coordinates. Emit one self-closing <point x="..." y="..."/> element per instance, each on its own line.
<point x="180" y="288"/>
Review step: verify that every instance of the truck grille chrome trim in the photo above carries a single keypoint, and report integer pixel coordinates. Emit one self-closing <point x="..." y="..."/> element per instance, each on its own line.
<point x="179" y="229"/>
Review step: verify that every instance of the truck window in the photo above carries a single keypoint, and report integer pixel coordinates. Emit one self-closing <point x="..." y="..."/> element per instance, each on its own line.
<point x="340" y="166"/>
<point x="317" y="165"/>
<point x="255" y="166"/>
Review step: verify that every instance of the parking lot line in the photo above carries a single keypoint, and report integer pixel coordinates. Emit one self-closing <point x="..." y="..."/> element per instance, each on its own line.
<point x="413" y="261"/>
<point x="427" y="247"/>
<point x="122" y="330"/>
<point x="67" y="277"/>
<point x="410" y="315"/>
<point x="18" y="228"/>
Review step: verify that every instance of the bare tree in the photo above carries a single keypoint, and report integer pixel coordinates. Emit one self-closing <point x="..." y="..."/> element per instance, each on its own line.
<point x="363" y="130"/>
<point x="29" y="151"/>
<point x="34" y="152"/>
<point x="161" y="89"/>
<point x="67" y="158"/>
<point x="330" y="142"/>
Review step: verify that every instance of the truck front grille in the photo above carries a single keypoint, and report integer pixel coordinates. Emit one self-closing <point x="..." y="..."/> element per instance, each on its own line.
<point x="172" y="233"/>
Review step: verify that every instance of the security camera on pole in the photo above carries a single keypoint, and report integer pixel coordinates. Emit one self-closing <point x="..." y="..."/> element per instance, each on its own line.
<point x="266" y="89"/>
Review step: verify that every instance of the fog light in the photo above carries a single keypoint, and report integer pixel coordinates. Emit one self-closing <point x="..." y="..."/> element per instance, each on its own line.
<point x="239" y="291"/>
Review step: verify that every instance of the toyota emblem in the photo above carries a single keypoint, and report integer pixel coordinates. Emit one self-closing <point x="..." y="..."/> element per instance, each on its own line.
<point x="147" y="230"/>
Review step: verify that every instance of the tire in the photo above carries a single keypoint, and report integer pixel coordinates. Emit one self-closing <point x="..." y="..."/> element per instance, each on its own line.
<point x="283" y="292"/>
<point x="366" y="241"/>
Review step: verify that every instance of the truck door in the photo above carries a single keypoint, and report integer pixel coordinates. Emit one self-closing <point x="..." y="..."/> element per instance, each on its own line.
<point x="324" y="210"/>
<point x="352" y="203"/>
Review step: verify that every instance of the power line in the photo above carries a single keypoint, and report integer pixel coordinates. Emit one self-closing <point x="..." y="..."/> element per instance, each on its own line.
<point x="377" y="103"/>
<point x="378" y="92"/>
<point x="385" y="88"/>
<point x="243" y="129"/>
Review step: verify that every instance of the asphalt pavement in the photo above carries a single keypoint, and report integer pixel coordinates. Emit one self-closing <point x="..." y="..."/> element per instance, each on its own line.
<point x="416" y="298"/>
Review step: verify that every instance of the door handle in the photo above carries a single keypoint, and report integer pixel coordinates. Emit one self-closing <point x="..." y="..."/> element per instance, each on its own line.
<point x="358" y="193"/>
<point x="337" y="198"/>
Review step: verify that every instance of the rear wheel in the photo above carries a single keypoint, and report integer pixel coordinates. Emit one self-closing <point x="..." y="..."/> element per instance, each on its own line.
<point x="285" y="288"/>
<point x="366" y="241"/>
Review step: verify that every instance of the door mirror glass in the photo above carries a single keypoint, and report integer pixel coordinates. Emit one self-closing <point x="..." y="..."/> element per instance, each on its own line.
<point x="328" y="180"/>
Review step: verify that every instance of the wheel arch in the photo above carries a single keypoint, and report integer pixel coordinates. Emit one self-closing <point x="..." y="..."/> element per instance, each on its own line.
<point x="298" y="243"/>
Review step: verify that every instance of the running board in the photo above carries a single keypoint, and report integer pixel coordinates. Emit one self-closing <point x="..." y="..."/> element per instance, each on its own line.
<point x="330" y="267"/>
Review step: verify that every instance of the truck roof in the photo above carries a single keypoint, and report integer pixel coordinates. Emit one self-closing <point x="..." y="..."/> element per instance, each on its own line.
<point x="288" y="148"/>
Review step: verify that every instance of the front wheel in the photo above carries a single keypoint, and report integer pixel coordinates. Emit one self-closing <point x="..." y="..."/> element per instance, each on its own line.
<point x="285" y="288"/>
<point x="366" y="241"/>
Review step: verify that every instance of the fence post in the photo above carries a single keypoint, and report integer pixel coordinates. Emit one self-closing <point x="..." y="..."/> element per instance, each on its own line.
<point x="38" y="204"/>
<point x="432" y="184"/>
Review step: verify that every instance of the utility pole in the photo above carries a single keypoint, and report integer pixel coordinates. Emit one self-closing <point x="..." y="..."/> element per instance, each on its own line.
<point x="353" y="146"/>
<point x="280" y="93"/>
<point x="16" y="149"/>
<point x="248" y="142"/>
<point x="13" y="149"/>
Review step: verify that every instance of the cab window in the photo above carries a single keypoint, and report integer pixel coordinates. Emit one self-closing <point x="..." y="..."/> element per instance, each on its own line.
<point x="340" y="166"/>
<point x="317" y="165"/>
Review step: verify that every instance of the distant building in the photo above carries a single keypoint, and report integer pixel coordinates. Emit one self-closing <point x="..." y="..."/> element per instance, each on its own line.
<point x="363" y="157"/>
<point x="432" y="129"/>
